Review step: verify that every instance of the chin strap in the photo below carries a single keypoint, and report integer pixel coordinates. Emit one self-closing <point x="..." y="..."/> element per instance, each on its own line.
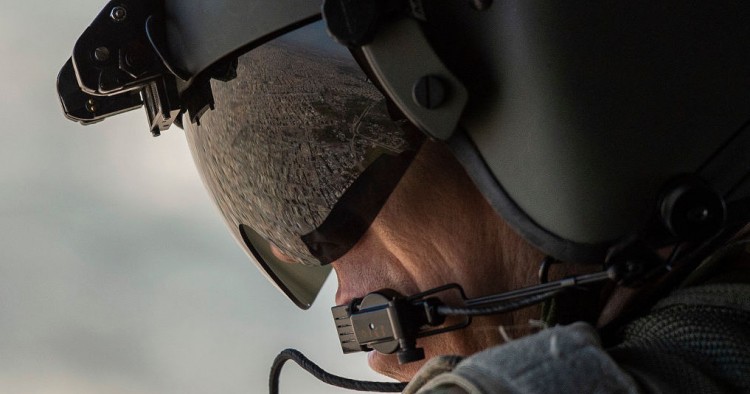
<point x="389" y="322"/>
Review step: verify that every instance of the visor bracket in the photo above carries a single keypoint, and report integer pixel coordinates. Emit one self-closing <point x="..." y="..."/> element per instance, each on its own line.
<point x="417" y="81"/>
<point x="117" y="67"/>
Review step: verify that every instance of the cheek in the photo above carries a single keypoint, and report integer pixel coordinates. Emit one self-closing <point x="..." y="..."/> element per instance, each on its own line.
<point x="368" y="267"/>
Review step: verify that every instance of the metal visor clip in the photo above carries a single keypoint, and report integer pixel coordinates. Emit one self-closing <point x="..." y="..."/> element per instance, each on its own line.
<point x="116" y="67"/>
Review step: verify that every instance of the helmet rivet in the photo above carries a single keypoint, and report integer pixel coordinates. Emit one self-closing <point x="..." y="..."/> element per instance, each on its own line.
<point x="697" y="214"/>
<point x="91" y="105"/>
<point x="429" y="92"/>
<point x="101" y="54"/>
<point x="118" y="14"/>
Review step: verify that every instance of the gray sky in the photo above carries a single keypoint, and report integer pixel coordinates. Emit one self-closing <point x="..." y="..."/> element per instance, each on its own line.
<point x="117" y="274"/>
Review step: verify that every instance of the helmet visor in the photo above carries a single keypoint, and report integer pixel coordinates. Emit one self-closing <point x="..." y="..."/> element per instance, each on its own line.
<point x="300" y="154"/>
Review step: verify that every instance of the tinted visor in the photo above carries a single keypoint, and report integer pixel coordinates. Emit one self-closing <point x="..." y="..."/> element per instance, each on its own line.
<point x="300" y="154"/>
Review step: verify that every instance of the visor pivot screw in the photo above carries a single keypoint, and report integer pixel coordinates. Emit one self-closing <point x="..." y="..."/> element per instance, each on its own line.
<point x="135" y="59"/>
<point x="429" y="92"/>
<point x="118" y="14"/>
<point x="101" y="54"/>
<point x="91" y="105"/>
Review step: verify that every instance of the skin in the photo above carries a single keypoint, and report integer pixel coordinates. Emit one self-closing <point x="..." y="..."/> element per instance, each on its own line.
<point x="435" y="229"/>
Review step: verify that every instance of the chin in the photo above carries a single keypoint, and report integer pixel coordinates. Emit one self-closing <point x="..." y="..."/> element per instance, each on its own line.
<point x="481" y="335"/>
<point x="387" y="365"/>
<point x="445" y="344"/>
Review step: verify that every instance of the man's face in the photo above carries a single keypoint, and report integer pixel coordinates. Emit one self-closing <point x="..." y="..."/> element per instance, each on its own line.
<point x="436" y="229"/>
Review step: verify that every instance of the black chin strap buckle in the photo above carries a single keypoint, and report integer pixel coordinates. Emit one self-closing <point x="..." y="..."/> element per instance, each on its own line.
<point x="390" y="323"/>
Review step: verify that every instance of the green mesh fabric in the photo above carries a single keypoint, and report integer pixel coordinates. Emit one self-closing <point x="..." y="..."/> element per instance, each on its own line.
<point x="697" y="340"/>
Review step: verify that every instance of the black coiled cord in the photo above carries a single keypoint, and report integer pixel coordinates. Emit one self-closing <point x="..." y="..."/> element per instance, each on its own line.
<point x="323" y="376"/>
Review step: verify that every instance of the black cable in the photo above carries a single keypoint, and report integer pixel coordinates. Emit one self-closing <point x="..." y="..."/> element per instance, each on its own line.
<point x="609" y="274"/>
<point x="325" y="377"/>
<point x="508" y="306"/>
<point x="183" y="75"/>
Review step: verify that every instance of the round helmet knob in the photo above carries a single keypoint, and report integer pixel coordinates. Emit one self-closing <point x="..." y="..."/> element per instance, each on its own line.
<point x="692" y="210"/>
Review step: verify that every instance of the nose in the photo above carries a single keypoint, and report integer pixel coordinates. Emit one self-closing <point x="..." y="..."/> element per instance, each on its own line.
<point x="279" y="254"/>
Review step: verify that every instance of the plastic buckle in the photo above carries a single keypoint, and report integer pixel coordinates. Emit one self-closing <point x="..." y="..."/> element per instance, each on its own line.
<point x="388" y="322"/>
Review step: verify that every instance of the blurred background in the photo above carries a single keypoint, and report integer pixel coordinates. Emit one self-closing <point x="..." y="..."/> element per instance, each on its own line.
<point x="117" y="274"/>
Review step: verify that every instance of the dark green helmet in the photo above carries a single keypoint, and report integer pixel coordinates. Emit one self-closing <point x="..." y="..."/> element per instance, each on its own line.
<point x="587" y="126"/>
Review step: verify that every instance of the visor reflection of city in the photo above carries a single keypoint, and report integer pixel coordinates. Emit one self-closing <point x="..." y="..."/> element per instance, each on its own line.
<point x="283" y="150"/>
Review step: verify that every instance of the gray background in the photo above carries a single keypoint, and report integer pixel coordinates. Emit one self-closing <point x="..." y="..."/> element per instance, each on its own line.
<point x="117" y="274"/>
